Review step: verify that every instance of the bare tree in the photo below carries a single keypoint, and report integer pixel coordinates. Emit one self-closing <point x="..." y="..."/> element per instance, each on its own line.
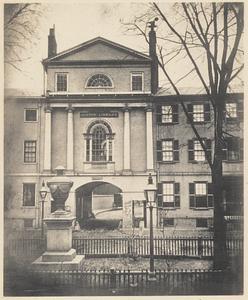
<point x="209" y="37"/>
<point x="20" y="27"/>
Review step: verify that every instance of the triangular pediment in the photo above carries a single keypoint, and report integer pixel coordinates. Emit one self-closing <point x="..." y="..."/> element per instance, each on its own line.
<point x="98" y="49"/>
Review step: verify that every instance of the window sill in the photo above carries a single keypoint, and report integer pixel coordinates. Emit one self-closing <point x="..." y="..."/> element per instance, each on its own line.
<point x="31" y="163"/>
<point x="169" y="162"/>
<point x="28" y="207"/>
<point x="233" y="161"/>
<point x="201" y="208"/>
<point x="198" y="162"/>
<point x="171" y="123"/>
<point x="31" y="121"/>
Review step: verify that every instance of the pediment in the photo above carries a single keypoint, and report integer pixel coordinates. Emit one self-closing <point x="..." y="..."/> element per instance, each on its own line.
<point x="98" y="49"/>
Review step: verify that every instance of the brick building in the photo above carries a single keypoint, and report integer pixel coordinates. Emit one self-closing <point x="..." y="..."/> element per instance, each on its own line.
<point x="104" y="119"/>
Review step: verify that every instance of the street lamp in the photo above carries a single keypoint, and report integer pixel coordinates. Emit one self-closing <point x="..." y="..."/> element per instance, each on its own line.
<point x="150" y="195"/>
<point x="43" y="193"/>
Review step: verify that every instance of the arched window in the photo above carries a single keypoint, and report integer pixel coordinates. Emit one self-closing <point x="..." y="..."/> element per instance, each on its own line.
<point x="99" y="81"/>
<point x="99" y="142"/>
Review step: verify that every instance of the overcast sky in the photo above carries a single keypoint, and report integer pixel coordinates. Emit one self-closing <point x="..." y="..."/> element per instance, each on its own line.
<point x="76" y="23"/>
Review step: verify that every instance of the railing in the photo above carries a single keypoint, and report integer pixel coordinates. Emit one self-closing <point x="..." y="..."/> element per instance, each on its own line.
<point x="168" y="282"/>
<point x="125" y="246"/>
<point x="140" y="246"/>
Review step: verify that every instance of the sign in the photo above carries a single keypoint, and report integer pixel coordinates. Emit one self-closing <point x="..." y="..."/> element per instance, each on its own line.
<point x="98" y="113"/>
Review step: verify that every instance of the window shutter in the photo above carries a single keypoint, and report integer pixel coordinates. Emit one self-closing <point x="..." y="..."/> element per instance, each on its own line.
<point x="240" y="111"/>
<point x="224" y="150"/>
<point x="191" y="150"/>
<point x="210" y="201"/>
<point x="190" y="112"/>
<point x="160" y="194"/>
<point x="210" y="195"/>
<point x="241" y="149"/>
<point x="159" y="114"/>
<point x="209" y="148"/>
<point x="191" y="201"/>
<point x="175" y="113"/>
<point x="159" y="150"/>
<point x="175" y="150"/>
<point x="177" y="194"/>
<point x="210" y="188"/>
<point x="206" y="112"/>
<point x="192" y="188"/>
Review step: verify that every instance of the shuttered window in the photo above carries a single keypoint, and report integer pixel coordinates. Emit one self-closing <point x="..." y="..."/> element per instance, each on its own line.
<point x="233" y="149"/>
<point x="196" y="152"/>
<point x="200" y="195"/>
<point x="168" y="150"/>
<point x="167" y="114"/>
<point x="169" y="194"/>
<point x="199" y="113"/>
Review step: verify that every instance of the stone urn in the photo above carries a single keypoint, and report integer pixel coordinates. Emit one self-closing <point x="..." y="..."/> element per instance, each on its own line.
<point x="60" y="187"/>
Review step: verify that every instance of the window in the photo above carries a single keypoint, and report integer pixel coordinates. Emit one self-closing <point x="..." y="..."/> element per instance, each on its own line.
<point x="61" y="82"/>
<point x="28" y="223"/>
<point x="29" y="194"/>
<point x="233" y="149"/>
<point x="199" y="112"/>
<point x="137" y="81"/>
<point x="99" y="81"/>
<point x="200" y="195"/>
<point x="29" y="151"/>
<point x="167" y="114"/>
<point x="169" y="194"/>
<point x="99" y="142"/>
<point x="202" y="222"/>
<point x="196" y="152"/>
<point x="231" y="110"/>
<point x="168" y="150"/>
<point x="30" y="115"/>
<point x="167" y="222"/>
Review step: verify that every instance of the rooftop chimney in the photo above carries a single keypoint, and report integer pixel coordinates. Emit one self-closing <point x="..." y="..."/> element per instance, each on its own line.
<point x="153" y="55"/>
<point x="52" y="45"/>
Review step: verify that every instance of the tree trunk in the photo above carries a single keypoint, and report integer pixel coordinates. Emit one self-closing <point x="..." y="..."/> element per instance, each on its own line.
<point x="220" y="255"/>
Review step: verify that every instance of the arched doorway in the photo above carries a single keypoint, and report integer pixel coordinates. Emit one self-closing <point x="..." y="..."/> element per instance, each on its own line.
<point x="99" y="205"/>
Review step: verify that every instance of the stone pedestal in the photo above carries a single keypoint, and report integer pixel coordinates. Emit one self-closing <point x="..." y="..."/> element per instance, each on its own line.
<point x="59" y="254"/>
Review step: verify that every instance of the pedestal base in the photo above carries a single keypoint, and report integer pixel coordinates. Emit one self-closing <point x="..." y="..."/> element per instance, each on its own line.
<point x="58" y="261"/>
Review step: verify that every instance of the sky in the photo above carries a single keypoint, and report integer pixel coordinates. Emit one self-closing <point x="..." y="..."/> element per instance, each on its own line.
<point x="74" y="23"/>
<point x="77" y="22"/>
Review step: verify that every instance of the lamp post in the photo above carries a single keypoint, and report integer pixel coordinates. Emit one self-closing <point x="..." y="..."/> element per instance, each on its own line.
<point x="150" y="195"/>
<point x="43" y="194"/>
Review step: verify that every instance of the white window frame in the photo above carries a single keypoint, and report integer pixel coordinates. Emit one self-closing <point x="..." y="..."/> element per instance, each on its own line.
<point x="136" y="73"/>
<point x="100" y="87"/>
<point x="228" y="114"/>
<point x="164" y="151"/>
<point x="67" y="79"/>
<point x="200" y="150"/>
<point x="167" y="114"/>
<point x="30" y="163"/>
<point x="197" y="113"/>
<point x="25" y="120"/>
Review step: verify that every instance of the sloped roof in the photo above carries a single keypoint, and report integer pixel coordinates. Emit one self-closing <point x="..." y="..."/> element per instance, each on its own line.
<point x="94" y="41"/>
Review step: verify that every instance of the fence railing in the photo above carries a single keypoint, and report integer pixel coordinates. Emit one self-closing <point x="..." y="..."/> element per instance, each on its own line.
<point x="123" y="246"/>
<point x="167" y="281"/>
<point x="140" y="246"/>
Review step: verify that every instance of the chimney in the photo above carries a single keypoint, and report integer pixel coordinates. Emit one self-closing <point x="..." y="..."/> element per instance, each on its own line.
<point x="52" y="45"/>
<point x="153" y="55"/>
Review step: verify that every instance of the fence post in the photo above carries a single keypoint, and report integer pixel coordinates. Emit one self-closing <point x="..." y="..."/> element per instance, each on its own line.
<point x="112" y="278"/>
<point x="200" y="246"/>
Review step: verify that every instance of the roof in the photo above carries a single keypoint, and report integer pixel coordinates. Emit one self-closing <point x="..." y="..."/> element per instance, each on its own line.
<point x="169" y="91"/>
<point x="91" y="42"/>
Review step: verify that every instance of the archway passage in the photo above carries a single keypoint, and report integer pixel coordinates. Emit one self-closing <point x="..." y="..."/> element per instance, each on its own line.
<point x="99" y="205"/>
